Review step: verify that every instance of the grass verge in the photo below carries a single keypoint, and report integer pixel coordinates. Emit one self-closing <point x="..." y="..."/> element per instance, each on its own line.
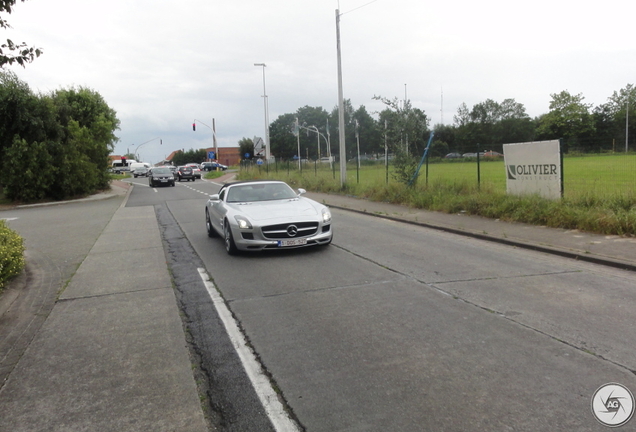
<point x="609" y="212"/>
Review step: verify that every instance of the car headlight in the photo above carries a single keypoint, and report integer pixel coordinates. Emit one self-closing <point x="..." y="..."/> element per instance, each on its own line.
<point x="243" y="223"/>
<point x="326" y="215"/>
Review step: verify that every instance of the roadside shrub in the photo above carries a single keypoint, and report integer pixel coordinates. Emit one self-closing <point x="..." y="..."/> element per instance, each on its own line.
<point x="11" y="254"/>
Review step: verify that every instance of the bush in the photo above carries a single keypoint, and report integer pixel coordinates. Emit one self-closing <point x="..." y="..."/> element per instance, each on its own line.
<point x="11" y="254"/>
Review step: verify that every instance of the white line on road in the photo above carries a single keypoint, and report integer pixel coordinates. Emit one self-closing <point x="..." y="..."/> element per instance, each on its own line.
<point x="268" y="397"/>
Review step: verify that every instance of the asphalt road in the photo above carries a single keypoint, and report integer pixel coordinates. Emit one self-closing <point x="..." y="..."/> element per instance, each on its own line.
<point x="402" y="328"/>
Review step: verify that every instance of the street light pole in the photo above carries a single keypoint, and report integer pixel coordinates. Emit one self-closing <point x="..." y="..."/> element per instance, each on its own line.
<point x="140" y="145"/>
<point x="266" y="109"/>
<point x="213" y="129"/>
<point x="341" y="119"/>
<point x="315" y="129"/>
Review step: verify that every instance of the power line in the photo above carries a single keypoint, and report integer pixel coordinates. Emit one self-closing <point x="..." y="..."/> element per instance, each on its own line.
<point x="359" y="7"/>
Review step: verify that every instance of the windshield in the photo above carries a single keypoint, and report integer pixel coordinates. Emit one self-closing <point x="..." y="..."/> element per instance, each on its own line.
<point x="161" y="171"/>
<point x="260" y="192"/>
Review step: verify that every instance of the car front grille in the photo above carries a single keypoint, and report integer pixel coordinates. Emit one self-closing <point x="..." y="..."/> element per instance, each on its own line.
<point x="290" y="230"/>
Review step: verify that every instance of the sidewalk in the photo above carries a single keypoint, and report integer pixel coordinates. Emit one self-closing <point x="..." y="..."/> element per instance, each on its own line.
<point x="112" y="355"/>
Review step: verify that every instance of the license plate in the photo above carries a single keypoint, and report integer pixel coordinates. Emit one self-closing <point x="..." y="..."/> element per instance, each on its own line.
<point x="164" y="180"/>
<point x="294" y="242"/>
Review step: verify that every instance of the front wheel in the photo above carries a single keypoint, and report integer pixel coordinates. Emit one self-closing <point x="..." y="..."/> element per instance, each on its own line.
<point x="230" y="246"/>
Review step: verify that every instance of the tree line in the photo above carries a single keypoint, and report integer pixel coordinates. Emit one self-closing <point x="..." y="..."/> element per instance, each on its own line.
<point x="487" y="126"/>
<point x="54" y="145"/>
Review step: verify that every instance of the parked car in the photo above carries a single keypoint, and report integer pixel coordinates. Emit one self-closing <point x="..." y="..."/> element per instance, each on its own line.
<point x="264" y="214"/>
<point x="196" y="170"/>
<point x="141" y="171"/>
<point x="492" y="154"/>
<point x="453" y="155"/>
<point x="213" y="166"/>
<point x="184" y="173"/>
<point x="160" y="176"/>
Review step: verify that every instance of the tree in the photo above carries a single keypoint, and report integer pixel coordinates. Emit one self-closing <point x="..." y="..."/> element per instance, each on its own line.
<point x="350" y="130"/>
<point x="611" y="118"/>
<point x="445" y="134"/>
<point x="371" y="138"/>
<point x="407" y="135"/>
<point x="407" y="127"/>
<point x="310" y="118"/>
<point x="60" y="142"/>
<point x="282" y="141"/>
<point x="246" y="146"/>
<point x="491" y="124"/>
<point x="24" y="54"/>
<point x="569" y="118"/>
<point x="191" y="156"/>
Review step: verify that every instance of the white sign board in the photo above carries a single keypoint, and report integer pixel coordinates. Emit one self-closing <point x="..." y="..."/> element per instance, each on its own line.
<point x="534" y="168"/>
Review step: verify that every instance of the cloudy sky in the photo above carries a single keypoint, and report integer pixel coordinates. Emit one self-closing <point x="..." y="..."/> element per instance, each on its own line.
<point x="163" y="63"/>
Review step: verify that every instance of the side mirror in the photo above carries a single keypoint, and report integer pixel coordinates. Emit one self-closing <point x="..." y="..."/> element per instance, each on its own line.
<point x="214" y="197"/>
<point x="301" y="191"/>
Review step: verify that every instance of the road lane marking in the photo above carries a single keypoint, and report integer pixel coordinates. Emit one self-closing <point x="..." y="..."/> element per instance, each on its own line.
<point x="266" y="394"/>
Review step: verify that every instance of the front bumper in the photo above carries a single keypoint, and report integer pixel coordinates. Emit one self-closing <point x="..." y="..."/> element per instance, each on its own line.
<point x="254" y="240"/>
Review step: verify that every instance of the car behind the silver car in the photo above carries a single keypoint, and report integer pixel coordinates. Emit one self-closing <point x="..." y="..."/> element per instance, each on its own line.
<point x="263" y="214"/>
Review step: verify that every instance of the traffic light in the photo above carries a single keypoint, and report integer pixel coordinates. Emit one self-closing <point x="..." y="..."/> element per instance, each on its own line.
<point x="194" y="126"/>
<point x="123" y="161"/>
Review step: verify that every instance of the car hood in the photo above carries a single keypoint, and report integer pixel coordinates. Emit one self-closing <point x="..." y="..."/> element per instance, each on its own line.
<point x="280" y="209"/>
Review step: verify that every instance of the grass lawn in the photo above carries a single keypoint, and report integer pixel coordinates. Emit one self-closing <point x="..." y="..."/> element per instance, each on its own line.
<point x="599" y="190"/>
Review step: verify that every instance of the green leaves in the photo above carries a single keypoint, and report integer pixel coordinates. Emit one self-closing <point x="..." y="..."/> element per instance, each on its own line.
<point x="56" y="145"/>
<point x="24" y="53"/>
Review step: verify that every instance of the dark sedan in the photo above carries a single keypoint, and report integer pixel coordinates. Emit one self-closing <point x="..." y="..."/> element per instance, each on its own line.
<point x="184" y="173"/>
<point x="160" y="176"/>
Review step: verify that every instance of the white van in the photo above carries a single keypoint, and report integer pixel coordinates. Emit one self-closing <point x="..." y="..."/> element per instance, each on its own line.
<point x="135" y="164"/>
<point x="118" y="166"/>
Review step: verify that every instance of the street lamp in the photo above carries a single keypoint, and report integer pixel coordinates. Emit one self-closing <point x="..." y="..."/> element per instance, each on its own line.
<point x="141" y="145"/>
<point x="213" y="129"/>
<point x="266" y="109"/>
<point x="320" y="134"/>
<point x="341" y="119"/>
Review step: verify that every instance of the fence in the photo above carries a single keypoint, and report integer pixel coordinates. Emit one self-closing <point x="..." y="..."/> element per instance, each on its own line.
<point x="584" y="174"/>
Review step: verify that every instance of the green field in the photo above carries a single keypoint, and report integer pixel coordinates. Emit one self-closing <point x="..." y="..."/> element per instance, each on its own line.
<point x="597" y="174"/>
<point x="599" y="190"/>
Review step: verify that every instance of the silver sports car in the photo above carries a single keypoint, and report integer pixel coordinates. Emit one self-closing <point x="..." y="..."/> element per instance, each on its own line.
<point x="265" y="214"/>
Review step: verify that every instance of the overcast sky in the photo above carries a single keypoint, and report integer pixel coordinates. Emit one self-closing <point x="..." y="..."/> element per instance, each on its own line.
<point x="163" y="63"/>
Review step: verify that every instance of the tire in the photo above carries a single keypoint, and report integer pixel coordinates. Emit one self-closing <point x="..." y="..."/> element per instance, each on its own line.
<point x="208" y="224"/>
<point x="230" y="246"/>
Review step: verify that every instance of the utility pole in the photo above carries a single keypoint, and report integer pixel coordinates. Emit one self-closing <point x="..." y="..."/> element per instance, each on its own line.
<point x="266" y="109"/>
<point x="341" y="119"/>
<point x="626" y="122"/>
